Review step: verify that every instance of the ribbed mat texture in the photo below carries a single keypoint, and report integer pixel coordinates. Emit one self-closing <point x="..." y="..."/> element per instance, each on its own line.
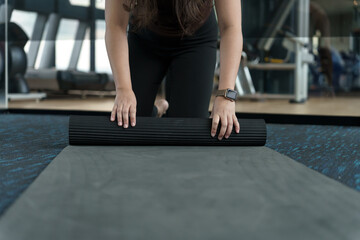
<point x="99" y="130"/>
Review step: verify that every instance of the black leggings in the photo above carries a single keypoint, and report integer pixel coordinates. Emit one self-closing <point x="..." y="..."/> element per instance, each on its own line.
<point x="188" y="65"/>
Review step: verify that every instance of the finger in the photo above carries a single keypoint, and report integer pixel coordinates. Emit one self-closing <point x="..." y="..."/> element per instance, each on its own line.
<point x="125" y="115"/>
<point x="113" y="113"/>
<point x="133" y="116"/>
<point x="215" y="124"/>
<point x="119" y="116"/>
<point x="236" y="124"/>
<point x="229" y="127"/>
<point x="223" y="128"/>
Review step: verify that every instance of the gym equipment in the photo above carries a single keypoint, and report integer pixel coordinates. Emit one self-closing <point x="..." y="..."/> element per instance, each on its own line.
<point x="181" y="192"/>
<point x="297" y="45"/>
<point x="99" y="130"/>
<point x="17" y="87"/>
<point x="72" y="80"/>
<point x="66" y="80"/>
<point x="351" y="71"/>
<point x="17" y="61"/>
<point x="47" y="77"/>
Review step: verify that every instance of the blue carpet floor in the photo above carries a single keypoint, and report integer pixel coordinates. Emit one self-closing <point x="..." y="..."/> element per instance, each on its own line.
<point x="30" y="142"/>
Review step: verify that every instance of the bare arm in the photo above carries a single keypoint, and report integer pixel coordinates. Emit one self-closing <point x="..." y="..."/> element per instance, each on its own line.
<point x="229" y="20"/>
<point x="117" y="20"/>
<point x="229" y="17"/>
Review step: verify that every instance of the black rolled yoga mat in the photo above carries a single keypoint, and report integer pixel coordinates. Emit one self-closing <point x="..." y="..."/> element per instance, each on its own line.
<point x="99" y="130"/>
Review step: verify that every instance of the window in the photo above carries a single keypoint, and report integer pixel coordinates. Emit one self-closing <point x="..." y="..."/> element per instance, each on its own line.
<point x="26" y="20"/>
<point x="83" y="3"/>
<point x="100" y="4"/>
<point x="65" y="42"/>
<point x="102" y="60"/>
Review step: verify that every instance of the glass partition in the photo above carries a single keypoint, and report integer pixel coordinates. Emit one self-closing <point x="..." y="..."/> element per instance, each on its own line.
<point x="3" y="47"/>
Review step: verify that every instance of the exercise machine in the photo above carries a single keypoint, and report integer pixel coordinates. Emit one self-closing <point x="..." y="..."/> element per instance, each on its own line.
<point x="14" y="40"/>
<point x="45" y="77"/>
<point x="295" y="44"/>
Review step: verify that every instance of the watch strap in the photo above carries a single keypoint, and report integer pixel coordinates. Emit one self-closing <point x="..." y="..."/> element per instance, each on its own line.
<point x="224" y="93"/>
<point x="221" y="93"/>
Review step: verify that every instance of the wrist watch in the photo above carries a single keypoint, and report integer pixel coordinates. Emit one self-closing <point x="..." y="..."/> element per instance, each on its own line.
<point x="228" y="94"/>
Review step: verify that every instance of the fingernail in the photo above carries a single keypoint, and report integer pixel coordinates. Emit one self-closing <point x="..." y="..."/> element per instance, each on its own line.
<point x="125" y="126"/>
<point x="133" y="124"/>
<point x="120" y="123"/>
<point x="212" y="134"/>
<point x="226" y="137"/>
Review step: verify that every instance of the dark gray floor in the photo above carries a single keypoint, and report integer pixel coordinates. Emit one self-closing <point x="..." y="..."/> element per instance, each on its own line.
<point x="181" y="193"/>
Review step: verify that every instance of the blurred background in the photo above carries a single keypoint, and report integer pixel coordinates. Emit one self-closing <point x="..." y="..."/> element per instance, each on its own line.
<point x="300" y="57"/>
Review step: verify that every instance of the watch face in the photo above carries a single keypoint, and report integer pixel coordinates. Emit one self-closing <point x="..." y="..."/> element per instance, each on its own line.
<point x="231" y="94"/>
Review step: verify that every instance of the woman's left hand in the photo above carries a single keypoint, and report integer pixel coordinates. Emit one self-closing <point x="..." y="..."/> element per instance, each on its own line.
<point x="223" y="112"/>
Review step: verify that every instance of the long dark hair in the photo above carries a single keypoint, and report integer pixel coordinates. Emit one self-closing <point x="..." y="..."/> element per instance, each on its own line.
<point x="189" y="13"/>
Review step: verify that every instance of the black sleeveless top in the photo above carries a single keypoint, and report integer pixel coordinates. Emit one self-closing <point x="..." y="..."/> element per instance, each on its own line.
<point x="167" y="23"/>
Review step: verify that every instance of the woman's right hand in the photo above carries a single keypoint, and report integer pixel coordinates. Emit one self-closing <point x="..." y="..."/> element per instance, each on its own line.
<point x="124" y="107"/>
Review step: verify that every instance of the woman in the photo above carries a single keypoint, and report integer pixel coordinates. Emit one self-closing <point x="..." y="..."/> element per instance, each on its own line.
<point x="176" y="39"/>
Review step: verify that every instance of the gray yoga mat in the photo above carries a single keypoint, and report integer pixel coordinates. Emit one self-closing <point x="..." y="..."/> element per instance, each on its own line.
<point x="174" y="192"/>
